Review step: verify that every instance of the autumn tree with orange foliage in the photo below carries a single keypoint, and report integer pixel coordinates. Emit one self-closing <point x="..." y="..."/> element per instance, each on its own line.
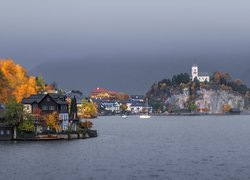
<point x="220" y="77"/>
<point x="226" y="108"/>
<point x="53" y="121"/>
<point x="15" y="82"/>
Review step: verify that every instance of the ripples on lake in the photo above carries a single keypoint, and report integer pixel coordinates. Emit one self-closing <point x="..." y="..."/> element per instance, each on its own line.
<point x="194" y="147"/>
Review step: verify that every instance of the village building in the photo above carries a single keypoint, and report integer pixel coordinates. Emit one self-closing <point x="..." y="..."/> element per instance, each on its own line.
<point x="135" y="107"/>
<point x="74" y="93"/>
<point x="48" y="103"/>
<point x="201" y="77"/>
<point x="6" y="132"/>
<point x="137" y="98"/>
<point x="112" y="106"/>
<point x="105" y="106"/>
<point x="138" y="107"/>
<point x="101" y="93"/>
<point x="78" y="95"/>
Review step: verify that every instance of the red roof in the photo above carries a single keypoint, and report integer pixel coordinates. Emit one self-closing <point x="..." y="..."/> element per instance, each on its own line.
<point x="102" y="90"/>
<point x="99" y="90"/>
<point x="112" y="92"/>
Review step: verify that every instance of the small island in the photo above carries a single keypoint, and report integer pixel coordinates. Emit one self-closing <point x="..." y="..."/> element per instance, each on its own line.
<point x="30" y="109"/>
<point x="199" y="94"/>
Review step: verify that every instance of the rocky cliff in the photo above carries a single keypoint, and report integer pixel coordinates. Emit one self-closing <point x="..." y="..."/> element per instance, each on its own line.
<point x="210" y="101"/>
<point x="213" y="97"/>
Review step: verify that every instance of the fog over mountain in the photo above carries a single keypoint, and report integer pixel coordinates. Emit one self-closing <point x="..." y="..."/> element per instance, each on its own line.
<point x="136" y="74"/>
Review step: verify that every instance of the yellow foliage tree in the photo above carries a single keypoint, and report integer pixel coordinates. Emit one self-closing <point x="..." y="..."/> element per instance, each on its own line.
<point x="88" y="110"/>
<point x="226" y="108"/>
<point x="15" y="82"/>
<point x="53" y="121"/>
<point x="123" y="107"/>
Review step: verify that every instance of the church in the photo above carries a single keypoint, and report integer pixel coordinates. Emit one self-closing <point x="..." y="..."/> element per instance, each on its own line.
<point x="202" y="77"/>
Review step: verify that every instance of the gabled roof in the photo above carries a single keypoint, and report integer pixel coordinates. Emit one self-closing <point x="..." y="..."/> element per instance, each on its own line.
<point x="37" y="98"/>
<point x="34" y="98"/>
<point x="74" y="93"/>
<point x="59" y="98"/>
<point x="102" y="90"/>
<point x="99" y="90"/>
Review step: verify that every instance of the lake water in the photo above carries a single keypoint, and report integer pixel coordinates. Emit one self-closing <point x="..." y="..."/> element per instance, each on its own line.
<point x="183" y="147"/>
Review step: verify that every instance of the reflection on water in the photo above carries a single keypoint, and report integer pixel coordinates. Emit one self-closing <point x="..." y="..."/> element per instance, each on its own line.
<point x="202" y="147"/>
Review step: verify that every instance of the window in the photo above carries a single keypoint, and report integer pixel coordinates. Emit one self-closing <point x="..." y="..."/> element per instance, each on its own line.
<point x="8" y="132"/>
<point x="63" y="108"/>
<point x="52" y="108"/>
<point x="48" y="99"/>
<point x="27" y="107"/>
<point x="2" y="132"/>
<point x="45" y="108"/>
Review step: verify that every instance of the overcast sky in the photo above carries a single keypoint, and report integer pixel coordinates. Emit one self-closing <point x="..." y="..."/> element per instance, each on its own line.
<point x="169" y="33"/>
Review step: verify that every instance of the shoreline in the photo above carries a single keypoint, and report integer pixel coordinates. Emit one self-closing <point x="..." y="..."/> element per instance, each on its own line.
<point x="181" y="114"/>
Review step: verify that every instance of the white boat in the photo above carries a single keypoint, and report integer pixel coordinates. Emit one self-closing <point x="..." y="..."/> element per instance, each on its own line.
<point x="124" y="116"/>
<point x="146" y="115"/>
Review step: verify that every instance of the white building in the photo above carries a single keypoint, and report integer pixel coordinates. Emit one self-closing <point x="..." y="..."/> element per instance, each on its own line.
<point x="111" y="106"/>
<point x="202" y="77"/>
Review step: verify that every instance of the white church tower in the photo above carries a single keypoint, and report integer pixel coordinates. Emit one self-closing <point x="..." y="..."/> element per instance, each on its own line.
<point x="194" y="71"/>
<point x="202" y="77"/>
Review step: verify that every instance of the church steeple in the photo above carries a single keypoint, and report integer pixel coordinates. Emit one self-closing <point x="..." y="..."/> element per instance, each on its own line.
<point x="195" y="71"/>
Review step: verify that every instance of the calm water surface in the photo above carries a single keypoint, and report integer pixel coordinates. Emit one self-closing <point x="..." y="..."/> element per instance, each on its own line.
<point x="202" y="147"/>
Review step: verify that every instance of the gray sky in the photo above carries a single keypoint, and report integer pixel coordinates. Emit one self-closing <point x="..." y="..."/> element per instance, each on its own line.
<point x="169" y="33"/>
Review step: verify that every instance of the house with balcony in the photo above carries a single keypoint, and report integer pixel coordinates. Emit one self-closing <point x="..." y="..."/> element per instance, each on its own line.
<point x="46" y="104"/>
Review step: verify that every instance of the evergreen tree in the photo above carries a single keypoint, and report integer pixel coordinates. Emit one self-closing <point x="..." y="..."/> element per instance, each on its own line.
<point x="40" y="83"/>
<point x="73" y="109"/>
